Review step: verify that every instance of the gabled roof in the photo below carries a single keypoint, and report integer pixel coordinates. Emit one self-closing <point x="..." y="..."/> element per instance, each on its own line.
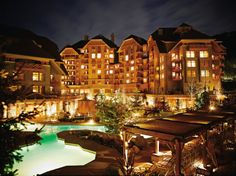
<point x="69" y="46"/>
<point x="25" y="47"/>
<point x="80" y="44"/>
<point x="140" y="40"/>
<point x="165" y="36"/>
<point x="24" y="42"/>
<point x="107" y="41"/>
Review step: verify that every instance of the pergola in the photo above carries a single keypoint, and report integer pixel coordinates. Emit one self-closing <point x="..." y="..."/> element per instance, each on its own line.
<point x="177" y="130"/>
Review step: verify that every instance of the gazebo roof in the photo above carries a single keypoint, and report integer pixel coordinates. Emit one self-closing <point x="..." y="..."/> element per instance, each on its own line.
<point x="180" y="126"/>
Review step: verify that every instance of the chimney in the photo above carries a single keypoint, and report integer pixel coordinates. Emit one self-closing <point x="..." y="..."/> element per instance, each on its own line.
<point x="113" y="37"/>
<point x="86" y="37"/>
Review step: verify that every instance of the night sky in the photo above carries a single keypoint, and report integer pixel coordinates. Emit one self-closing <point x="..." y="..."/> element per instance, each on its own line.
<point x="67" y="21"/>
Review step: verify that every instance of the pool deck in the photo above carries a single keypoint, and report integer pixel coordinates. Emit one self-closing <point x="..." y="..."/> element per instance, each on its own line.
<point x="104" y="163"/>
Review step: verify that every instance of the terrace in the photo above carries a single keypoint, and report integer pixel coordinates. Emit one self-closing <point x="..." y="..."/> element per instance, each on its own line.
<point x="184" y="143"/>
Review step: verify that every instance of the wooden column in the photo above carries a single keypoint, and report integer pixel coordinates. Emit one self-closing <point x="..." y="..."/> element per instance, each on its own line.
<point x="124" y="147"/>
<point x="178" y="152"/>
<point x="157" y="146"/>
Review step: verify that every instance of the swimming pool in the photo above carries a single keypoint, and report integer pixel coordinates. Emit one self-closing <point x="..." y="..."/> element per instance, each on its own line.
<point x="52" y="153"/>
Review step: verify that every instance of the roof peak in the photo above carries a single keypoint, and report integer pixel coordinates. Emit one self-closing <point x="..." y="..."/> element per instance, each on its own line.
<point x="109" y="42"/>
<point x="185" y="25"/>
<point x="138" y="39"/>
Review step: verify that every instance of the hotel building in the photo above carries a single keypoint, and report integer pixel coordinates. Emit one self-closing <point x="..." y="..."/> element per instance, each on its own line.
<point x="38" y="69"/>
<point x="182" y="58"/>
<point x="90" y="65"/>
<point x="173" y="61"/>
<point x="133" y="65"/>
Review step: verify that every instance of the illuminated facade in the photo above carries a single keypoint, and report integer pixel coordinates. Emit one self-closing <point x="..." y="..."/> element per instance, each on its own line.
<point x="173" y="61"/>
<point x="183" y="59"/>
<point x="90" y="65"/>
<point x="133" y="65"/>
<point x="36" y="69"/>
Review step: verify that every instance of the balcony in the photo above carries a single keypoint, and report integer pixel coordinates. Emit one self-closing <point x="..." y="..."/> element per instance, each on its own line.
<point x="139" y="75"/>
<point x="222" y="65"/>
<point x="176" y="69"/>
<point x="176" y="59"/>
<point x="215" y="68"/>
<point x="177" y="78"/>
<point x="139" y="50"/>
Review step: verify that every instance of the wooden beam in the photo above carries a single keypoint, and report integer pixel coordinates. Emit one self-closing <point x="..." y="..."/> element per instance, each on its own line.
<point x="159" y="135"/>
<point x="178" y="153"/>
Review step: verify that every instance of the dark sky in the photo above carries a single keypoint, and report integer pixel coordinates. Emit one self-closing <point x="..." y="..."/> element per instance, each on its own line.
<point x="67" y="21"/>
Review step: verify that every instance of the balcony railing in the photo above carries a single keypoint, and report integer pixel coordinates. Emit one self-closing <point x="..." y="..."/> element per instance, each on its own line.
<point x="176" y="69"/>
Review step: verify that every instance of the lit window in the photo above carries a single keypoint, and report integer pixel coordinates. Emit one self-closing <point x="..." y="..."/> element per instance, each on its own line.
<point x="191" y="63"/>
<point x="127" y="81"/>
<point x="203" y="54"/>
<point x="162" y="59"/>
<point x="111" y="71"/>
<point x="126" y="57"/>
<point x="93" y="55"/>
<point x="99" y="55"/>
<point x="191" y="73"/>
<point x="214" y="76"/>
<point x="99" y="71"/>
<point x="173" y="74"/>
<point x="51" y="77"/>
<point x="132" y="62"/>
<point x="174" y="56"/>
<point x="82" y="66"/>
<point x="162" y="76"/>
<point x="127" y="74"/>
<point x="162" y="67"/>
<point x="111" y="56"/>
<point x="132" y="68"/>
<point x="205" y="73"/>
<point x="107" y="72"/>
<point x="213" y="66"/>
<point x="81" y="50"/>
<point x="190" y="54"/>
<point x="37" y="89"/>
<point x="173" y="64"/>
<point x="51" y="89"/>
<point x="144" y="80"/>
<point x="37" y="76"/>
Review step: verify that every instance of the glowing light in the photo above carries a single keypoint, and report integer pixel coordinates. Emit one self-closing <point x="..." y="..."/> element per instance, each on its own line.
<point x="198" y="164"/>
<point x="212" y="108"/>
<point x="91" y="122"/>
<point x="111" y="56"/>
<point x="126" y="57"/>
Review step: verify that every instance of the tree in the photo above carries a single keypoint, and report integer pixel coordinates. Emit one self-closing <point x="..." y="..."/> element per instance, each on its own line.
<point x="202" y="100"/>
<point x="116" y="111"/>
<point x="113" y="112"/>
<point x="9" y="127"/>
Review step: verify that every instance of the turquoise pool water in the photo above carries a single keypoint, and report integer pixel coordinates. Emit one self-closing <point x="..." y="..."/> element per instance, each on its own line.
<point x="52" y="153"/>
